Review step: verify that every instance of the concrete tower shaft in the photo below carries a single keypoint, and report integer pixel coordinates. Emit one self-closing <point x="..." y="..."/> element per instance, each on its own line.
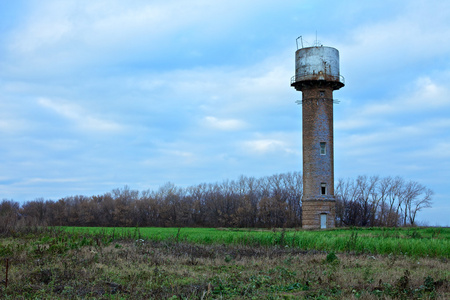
<point x="317" y="76"/>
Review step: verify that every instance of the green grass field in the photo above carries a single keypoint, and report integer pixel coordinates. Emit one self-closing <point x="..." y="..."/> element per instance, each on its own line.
<point x="418" y="242"/>
<point x="206" y="263"/>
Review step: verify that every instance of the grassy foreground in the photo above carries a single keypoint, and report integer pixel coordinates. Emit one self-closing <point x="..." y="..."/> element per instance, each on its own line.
<point x="167" y="263"/>
<point x="421" y="242"/>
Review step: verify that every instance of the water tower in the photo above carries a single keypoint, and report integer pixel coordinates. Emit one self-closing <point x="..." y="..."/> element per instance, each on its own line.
<point x="317" y="76"/>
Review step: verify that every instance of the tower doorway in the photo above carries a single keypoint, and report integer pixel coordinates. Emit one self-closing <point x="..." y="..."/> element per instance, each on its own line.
<point x="323" y="221"/>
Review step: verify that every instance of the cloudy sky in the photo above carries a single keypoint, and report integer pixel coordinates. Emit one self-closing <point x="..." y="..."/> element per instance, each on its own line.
<point x="95" y="95"/>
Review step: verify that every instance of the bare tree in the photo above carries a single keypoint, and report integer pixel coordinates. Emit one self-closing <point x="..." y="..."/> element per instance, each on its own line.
<point x="383" y="192"/>
<point x="271" y="201"/>
<point x="366" y="191"/>
<point x="419" y="199"/>
<point x="9" y="215"/>
<point x="345" y="193"/>
<point x="395" y="201"/>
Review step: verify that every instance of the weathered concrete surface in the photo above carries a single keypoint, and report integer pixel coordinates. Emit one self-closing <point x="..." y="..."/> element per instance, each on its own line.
<point x="317" y="60"/>
<point x="317" y="64"/>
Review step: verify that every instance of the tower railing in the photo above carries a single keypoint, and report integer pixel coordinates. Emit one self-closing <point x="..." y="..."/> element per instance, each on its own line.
<point x="297" y="78"/>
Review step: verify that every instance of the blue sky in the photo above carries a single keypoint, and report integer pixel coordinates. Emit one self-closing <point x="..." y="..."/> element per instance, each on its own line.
<point x="95" y="95"/>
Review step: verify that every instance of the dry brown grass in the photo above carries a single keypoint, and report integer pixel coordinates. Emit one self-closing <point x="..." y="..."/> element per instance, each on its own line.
<point x="128" y="269"/>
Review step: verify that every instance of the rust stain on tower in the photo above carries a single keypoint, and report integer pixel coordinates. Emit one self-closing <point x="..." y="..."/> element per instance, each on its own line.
<point x="317" y="76"/>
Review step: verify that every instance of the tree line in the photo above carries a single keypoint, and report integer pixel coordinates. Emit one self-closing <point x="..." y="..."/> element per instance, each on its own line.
<point x="271" y="201"/>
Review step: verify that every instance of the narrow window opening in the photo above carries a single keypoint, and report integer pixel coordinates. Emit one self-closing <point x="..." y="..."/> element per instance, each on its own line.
<point x="323" y="148"/>
<point x="323" y="188"/>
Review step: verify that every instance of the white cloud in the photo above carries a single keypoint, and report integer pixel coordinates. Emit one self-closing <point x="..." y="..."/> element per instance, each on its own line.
<point x="416" y="34"/>
<point x="11" y="126"/>
<point x="439" y="150"/>
<point x="219" y="91"/>
<point x="438" y="124"/>
<point x="352" y="123"/>
<point x="51" y="180"/>
<point x="266" y="77"/>
<point x="263" y="146"/>
<point x="77" y="33"/>
<point x="172" y="158"/>
<point x="41" y="35"/>
<point x="183" y="154"/>
<point x="224" y="124"/>
<point x="282" y="143"/>
<point x="428" y="95"/>
<point x="79" y="116"/>
<point x="98" y="23"/>
<point x="424" y="97"/>
<point x="385" y="137"/>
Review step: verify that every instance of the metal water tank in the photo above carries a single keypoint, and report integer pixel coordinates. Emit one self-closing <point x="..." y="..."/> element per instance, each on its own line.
<point x="317" y="63"/>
